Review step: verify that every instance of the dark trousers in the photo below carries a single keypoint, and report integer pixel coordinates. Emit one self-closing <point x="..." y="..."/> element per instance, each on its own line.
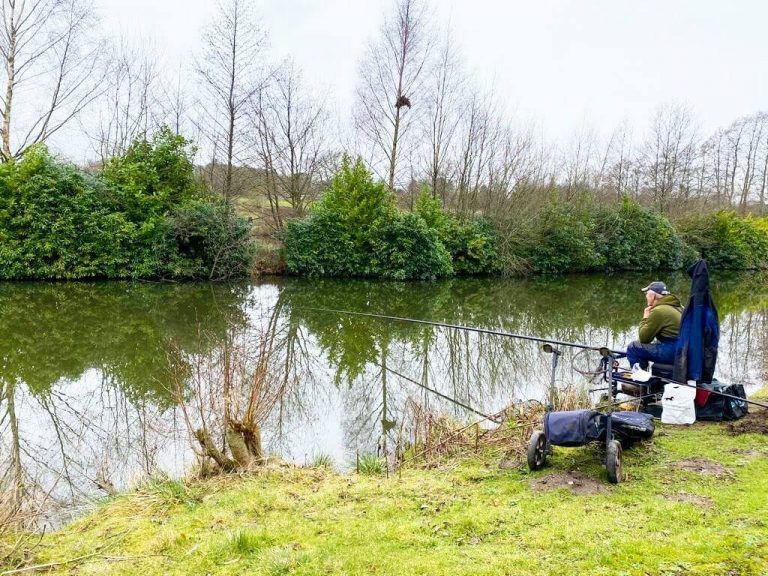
<point x="662" y="352"/>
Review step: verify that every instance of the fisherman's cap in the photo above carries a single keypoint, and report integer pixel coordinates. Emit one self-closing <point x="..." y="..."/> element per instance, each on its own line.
<point x="658" y="287"/>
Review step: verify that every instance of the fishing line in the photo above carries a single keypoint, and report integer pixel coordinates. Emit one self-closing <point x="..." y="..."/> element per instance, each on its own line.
<point x="440" y="394"/>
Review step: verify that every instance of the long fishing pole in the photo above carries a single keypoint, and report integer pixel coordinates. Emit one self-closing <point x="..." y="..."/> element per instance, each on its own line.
<point x="467" y="328"/>
<point x="440" y="394"/>
<point x="601" y="349"/>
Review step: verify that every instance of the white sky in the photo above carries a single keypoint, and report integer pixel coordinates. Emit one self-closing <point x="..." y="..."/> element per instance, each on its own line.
<point x="566" y="65"/>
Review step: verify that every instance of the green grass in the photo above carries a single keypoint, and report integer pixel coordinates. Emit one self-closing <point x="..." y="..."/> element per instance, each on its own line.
<point x="169" y="491"/>
<point x="247" y="542"/>
<point x="322" y="461"/>
<point x="370" y="465"/>
<point x="467" y="518"/>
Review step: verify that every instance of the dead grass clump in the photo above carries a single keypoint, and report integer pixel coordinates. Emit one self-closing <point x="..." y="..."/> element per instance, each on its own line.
<point x="426" y="436"/>
<point x="18" y="536"/>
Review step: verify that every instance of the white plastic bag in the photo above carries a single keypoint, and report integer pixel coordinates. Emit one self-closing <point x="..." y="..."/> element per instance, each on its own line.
<point x="640" y="375"/>
<point x="677" y="404"/>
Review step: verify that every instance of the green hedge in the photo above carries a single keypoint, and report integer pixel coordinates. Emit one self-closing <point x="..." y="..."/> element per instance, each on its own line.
<point x="409" y="249"/>
<point x="57" y="222"/>
<point x="562" y="238"/>
<point x="632" y="237"/>
<point x="320" y="245"/>
<point x="356" y="230"/>
<point x="472" y="243"/>
<point x="143" y="216"/>
<point x="727" y="240"/>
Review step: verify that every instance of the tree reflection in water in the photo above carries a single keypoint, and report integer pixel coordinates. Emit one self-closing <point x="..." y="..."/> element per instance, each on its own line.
<point x="92" y="373"/>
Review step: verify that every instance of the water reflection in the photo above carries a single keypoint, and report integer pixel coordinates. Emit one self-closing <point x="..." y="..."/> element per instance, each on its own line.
<point x="103" y="383"/>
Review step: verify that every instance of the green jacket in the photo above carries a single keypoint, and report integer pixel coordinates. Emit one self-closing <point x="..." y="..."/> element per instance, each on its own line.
<point x="663" y="321"/>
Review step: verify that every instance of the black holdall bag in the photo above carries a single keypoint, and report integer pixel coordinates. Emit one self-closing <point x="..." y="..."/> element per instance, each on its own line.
<point x="719" y="408"/>
<point x="735" y="409"/>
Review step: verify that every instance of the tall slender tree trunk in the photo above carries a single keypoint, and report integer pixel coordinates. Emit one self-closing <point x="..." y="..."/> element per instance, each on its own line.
<point x="17" y="488"/>
<point x="10" y="70"/>
<point x="764" y="183"/>
<point x="232" y="113"/>
<point x="230" y="153"/>
<point x="395" y="138"/>
<point x="406" y="32"/>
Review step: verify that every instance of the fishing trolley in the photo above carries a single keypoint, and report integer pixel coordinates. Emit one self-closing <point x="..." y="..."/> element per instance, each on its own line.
<point x="616" y="429"/>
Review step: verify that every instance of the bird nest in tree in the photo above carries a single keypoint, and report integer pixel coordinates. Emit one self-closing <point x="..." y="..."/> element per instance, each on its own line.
<point x="402" y="101"/>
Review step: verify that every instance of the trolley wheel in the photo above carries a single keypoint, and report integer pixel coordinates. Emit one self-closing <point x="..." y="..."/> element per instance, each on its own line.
<point x="537" y="450"/>
<point x="613" y="461"/>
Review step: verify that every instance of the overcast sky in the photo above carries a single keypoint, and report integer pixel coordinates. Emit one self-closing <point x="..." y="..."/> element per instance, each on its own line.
<point x="566" y="65"/>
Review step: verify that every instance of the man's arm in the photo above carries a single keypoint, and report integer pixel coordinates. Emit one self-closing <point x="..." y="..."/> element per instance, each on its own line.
<point x="649" y="327"/>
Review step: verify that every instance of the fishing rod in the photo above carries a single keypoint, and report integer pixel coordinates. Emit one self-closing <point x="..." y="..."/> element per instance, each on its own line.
<point x="493" y="419"/>
<point x="602" y="349"/>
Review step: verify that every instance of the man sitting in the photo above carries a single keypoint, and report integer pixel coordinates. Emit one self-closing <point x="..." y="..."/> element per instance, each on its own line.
<point x="661" y="321"/>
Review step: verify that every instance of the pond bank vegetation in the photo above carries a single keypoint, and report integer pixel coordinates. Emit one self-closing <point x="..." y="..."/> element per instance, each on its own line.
<point x="148" y="214"/>
<point x="693" y="502"/>
<point x="142" y="215"/>
<point x="357" y="230"/>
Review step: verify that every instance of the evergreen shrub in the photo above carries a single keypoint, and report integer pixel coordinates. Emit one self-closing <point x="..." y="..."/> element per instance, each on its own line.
<point x="143" y="216"/>
<point x="472" y="242"/>
<point x="355" y="229"/>
<point x="632" y="237"/>
<point x="409" y="249"/>
<point x="727" y="240"/>
<point x="562" y="240"/>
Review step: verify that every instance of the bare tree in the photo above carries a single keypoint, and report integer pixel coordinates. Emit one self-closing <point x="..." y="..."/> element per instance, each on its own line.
<point x="764" y="177"/>
<point x="231" y="71"/>
<point x="49" y="58"/>
<point x="734" y="137"/>
<point x="174" y="102"/>
<point x="578" y="161"/>
<point x="670" y="150"/>
<point x="446" y="84"/>
<point x="756" y="127"/>
<point x="391" y="77"/>
<point x="479" y="136"/>
<point x="618" y="161"/>
<point x="130" y="106"/>
<point x="290" y="131"/>
<point x="235" y="387"/>
<point x="515" y="166"/>
<point x="736" y="162"/>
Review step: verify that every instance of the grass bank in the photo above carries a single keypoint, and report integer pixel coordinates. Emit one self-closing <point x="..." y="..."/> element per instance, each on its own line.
<point x="694" y="502"/>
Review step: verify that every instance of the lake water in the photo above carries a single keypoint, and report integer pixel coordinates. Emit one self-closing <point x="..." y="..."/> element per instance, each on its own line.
<point x="102" y="382"/>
